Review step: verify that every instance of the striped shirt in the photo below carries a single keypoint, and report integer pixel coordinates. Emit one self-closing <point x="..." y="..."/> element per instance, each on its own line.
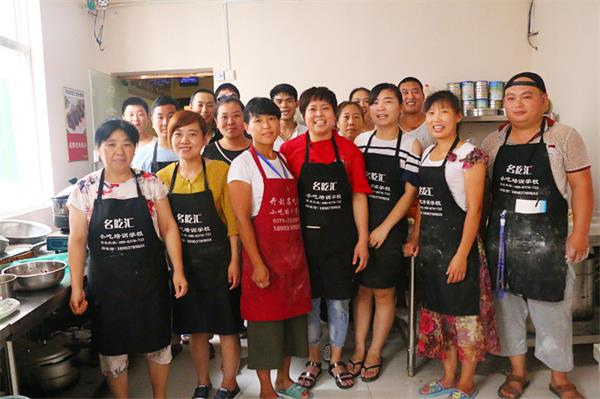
<point x="409" y="160"/>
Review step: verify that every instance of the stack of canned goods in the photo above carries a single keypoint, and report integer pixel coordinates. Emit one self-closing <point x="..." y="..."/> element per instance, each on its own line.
<point x="479" y="97"/>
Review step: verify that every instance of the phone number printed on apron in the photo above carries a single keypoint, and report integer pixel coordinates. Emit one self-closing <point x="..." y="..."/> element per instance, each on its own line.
<point x="431" y="207"/>
<point x="195" y="235"/>
<point x="381" y="192"/>
<point x="122" y="241"/>
<point x="324" y="202"/>
<point x="518" y="186"/>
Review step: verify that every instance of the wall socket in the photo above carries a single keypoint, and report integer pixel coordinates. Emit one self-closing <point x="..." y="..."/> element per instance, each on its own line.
<point x="224" y="74"/>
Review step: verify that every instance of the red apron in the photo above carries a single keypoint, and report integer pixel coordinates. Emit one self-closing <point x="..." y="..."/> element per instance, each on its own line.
<point x="279" y="240"/>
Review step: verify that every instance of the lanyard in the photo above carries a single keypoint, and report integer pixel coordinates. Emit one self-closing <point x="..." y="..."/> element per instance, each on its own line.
<point x="500" y="283"/>
<point x="270" y="165"/>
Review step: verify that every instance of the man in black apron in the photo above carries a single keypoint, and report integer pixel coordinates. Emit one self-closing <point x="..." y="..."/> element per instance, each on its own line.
<point x="527" y="245"/>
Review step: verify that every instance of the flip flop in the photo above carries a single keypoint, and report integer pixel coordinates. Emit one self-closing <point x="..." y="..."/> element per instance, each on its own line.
<point x="435" y="388"/>
<point x="458" y="394"/>
<point x="295" y="391"/>
<point x="354" y="364"/>
<point x="373" y="378"/>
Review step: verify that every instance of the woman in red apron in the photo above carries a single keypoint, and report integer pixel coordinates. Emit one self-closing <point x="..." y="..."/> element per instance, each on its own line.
<point x="200" y="203"/>
<point x="457" y="322"/>
<point x="119" y="213"/>
<point x="275" y="280"/>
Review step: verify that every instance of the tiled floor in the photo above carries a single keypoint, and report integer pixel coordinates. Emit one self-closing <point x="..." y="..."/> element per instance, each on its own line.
<point x="394" y="382"/>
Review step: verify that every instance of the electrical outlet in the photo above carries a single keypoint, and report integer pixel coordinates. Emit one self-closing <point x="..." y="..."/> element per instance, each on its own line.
<point x="230" y="74"/>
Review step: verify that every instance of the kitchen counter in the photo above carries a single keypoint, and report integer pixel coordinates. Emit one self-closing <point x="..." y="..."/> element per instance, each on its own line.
<point x="35" y="307"/>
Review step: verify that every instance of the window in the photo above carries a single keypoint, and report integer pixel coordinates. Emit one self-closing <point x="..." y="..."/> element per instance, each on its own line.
<point x="20" y="165"/>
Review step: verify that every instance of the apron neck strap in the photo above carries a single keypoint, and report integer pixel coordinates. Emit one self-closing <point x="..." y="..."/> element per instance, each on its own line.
<point x="174" y="175"/>
<point x="260" y="168"/>
<point x="335" y="147"/>
<point x="155" y="152"/>
<point x="101" y="184"/>
<point x="452" y="147"/>
<point x="398" y="141"/>
<point x="543" y="127"/>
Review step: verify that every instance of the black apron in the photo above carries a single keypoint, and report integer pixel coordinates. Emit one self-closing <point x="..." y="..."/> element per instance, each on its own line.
<point x="535" y="265"/>
<point x="155" y="166"/>
<point x="442" y="222"/>
<point x="129" y="280"/>
<point x="209" y="306"/>
<point x="328" y="228"/>
<point x="384" y="174"/>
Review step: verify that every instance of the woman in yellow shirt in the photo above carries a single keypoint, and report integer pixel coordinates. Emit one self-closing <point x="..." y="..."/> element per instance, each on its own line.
<point x="200" y="203"/>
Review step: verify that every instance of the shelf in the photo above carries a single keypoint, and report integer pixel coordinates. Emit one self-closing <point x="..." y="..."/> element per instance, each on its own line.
<point x="485" y="118"/>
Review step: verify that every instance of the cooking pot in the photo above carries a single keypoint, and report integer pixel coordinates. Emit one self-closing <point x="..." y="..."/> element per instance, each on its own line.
<point x="60" y="211"/>
<point x="45" y="367"/>
<point x="7" y="286"/>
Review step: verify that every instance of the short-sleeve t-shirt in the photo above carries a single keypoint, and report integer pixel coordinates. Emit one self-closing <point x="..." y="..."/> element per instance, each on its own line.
<point x="456" y="168"/>
<point x="144" y="156"/>
<point x="215" y="151"/>
<point x="566" y="150"/>
<point x="422" y="134"/>
<point x="216" y="174"/>
<point x="409" y="161"/>
<point x="300" y="129"/>
<point x="322" y="152"/>
<point x="86" y="192"/>
<point x="244" y="168"/>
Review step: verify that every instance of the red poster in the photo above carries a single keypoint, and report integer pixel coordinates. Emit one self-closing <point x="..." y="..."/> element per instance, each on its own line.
<point x="75" y="124"/>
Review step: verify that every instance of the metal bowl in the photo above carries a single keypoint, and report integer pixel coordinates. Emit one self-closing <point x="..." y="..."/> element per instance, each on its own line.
<point x="24" y="232"/>
<point x="3" y="244"/>
<point x="37" y="275"/>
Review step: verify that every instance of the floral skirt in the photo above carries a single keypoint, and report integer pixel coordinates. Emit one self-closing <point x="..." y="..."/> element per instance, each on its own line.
<point x="472" y="336"/>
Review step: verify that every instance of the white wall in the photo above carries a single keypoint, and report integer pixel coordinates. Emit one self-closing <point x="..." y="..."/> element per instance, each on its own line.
<point x="67" y="55"/>
<point x="568" y="58"/>
<point x="341" y="44"/>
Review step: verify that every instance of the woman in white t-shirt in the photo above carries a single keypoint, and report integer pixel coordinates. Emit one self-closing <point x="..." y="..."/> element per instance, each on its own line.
<point x="457" y="319"/>
<point x="275" y="281"/>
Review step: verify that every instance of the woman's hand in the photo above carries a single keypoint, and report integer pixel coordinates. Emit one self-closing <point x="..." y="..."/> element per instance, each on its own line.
<point x="260" y="276"/>
<point x="180" y="283"/>
<point x="577" y="248"/>
<point x="378" y="236"/>
<point x="78" y="303"/>
<point x="233" y="274"/>
<point x="361" y="255"/>
<point x="457" y="269"/>
<point x="411" y="248"/>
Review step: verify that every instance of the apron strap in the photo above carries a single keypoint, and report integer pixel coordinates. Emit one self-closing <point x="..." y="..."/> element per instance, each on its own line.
<point x="174" y="176"/>
<point x="335" y="148"/>
<point x="369" y="141"/>
<point x="155" y="152"/>
<point x="101" y="184"/>
<point x="398" y="141"/>
<point x="260" y="168"/>
<point x="543" y="128"/>
<point x="454" y="144"/>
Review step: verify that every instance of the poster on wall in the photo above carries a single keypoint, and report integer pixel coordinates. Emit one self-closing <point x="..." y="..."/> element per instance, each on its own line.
<point x="75" y="124"/>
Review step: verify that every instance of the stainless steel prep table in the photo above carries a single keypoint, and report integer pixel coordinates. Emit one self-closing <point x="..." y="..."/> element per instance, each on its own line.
<point x="35" y="307"/>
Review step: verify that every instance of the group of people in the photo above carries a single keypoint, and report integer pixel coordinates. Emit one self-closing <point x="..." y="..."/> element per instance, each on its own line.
<point x="287" y="225"/>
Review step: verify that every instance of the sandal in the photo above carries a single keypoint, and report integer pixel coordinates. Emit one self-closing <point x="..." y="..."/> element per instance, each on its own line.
<point x="375" y="377"/>
<point x="295" y="391"/>
<point x="458" y="394"/>
<point x="559" y="390"/>
<point x="354" y="364"/>
<point x="434" y="388"/>
<point x="513" y="393"/>
<point x="310" y="378"/>
<point x="342" y="376"/>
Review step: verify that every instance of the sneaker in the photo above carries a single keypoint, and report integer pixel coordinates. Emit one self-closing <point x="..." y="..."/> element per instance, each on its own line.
<point x="202" y="391"/>
<point x="224" y="393"/>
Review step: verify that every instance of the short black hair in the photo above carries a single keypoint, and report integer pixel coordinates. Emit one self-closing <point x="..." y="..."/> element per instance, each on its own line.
<point x="411" y="79"/>
<point x="260" y="106"/>
<point x="317" y="93"/>
<point x="165" y="100"/>
<point x="134" y="101"/>
<point x="225" y="86"/>
<point x="284" y="88"/>
<point x="443" y="96"/>
<point x="202" y="90"/>
<point x="375" y="91"/>
<point x="358" y="89"/>
<point x="109" y="126"/>
<point x="226" y="100"/>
